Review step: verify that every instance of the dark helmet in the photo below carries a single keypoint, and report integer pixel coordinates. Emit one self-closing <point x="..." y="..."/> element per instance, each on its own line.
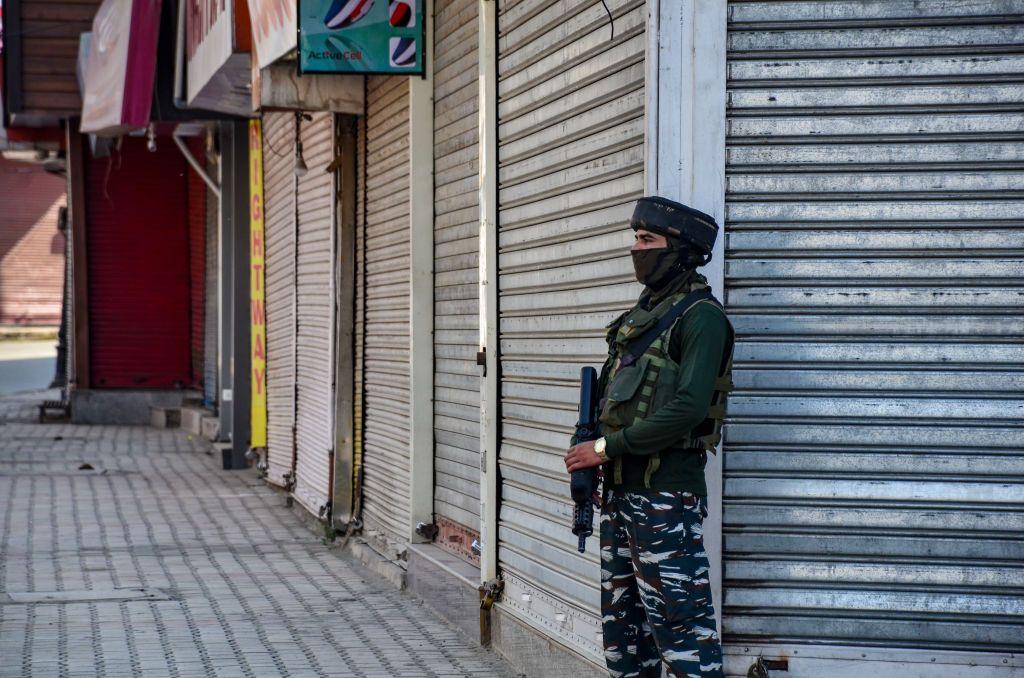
<point x="682" y="225"/>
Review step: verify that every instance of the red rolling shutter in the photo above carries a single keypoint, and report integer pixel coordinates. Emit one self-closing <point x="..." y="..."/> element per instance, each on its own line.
<point x="138" y="267"/>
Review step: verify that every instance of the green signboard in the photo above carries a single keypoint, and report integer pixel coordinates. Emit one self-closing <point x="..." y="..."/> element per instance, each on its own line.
<point x="361" y="36"/>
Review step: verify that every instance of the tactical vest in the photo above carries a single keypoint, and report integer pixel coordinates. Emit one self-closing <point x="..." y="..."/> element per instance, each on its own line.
<point x="637" y="386"/>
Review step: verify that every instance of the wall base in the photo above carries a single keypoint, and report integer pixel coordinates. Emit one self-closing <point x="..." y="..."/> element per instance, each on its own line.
<point x="377" y="563"/>
<point x="533" y="654"/>
<point x="121" y="406"/>
<point x="447" y="585"/>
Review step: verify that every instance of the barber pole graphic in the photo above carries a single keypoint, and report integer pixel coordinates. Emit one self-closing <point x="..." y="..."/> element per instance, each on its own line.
<point x="359" y="36"/>
<point x="402" y="13"/>
<point x="403" y="52"/>
<point x="344" y="13"/>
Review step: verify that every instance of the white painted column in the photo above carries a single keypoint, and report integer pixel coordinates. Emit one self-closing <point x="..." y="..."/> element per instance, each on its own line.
<point x="488" y="199"/>
<point x="686" y="158"/>
<point x="421" y="291"/>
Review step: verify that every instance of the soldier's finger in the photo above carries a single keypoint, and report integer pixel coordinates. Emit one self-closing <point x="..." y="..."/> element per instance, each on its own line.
<point x="576" y="464"/>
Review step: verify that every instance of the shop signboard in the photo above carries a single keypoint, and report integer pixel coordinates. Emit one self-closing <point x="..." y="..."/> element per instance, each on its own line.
<point x="218" y="41"/>
<point x="257" y="290"/>
<point x="120" y="67"/>
<point x="362" y="36"/>
<point x="273" y="29"/>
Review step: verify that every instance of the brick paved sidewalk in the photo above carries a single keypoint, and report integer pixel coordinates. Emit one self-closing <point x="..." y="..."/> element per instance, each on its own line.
<point x="126" y="551"/>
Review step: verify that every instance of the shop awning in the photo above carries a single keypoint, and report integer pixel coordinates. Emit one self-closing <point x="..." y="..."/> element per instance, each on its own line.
<point x="121" y="67"/>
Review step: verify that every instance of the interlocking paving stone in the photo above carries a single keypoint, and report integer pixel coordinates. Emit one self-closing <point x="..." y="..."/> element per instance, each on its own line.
<point x="244" y="589"/>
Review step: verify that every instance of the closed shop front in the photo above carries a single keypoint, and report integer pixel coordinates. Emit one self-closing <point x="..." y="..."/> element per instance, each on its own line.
<point x="571" y="161"/>
<point x="31" y="246"/>
<point x="872" y="487"/>
<point x="383" y="288"/>
<point x="456" y="277"/>
<point x="137" y="241"/>
<point x="314" y="314"/>
<point x="279" y="197"/>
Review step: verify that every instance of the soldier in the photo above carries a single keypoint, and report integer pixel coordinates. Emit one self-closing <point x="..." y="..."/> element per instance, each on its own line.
<point x="664" y="389"/>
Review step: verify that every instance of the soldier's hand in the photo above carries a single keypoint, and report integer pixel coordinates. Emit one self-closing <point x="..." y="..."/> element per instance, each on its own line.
<point x="581" y="456"/>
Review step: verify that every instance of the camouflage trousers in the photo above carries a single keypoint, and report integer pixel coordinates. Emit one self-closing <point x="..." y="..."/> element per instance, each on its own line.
<point x="655" y="590"/>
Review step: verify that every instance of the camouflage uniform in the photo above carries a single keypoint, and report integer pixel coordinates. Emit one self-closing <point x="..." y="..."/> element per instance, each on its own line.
<point x="664" y="385"/>
<point x="655" y="588"/>
<point x="655" y="591"/>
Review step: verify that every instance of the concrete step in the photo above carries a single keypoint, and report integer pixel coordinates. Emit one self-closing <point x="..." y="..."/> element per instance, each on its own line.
<point x="210" y="427"/>
<point x="165" y="417"/>
<point x="192" y="419"/>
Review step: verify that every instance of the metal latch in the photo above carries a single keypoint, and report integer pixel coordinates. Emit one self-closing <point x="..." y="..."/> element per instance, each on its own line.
<point x="760" y="668"/>
<point x="490" y="592"/>
<point x="426" y="530"/>
<point x="481" y="359"/>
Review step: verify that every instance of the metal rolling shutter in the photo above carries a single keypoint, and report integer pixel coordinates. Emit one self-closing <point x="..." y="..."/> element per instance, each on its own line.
<point x="31" y="265"/>
<point x="197" y="263"/>
<point x="212" y="278"/>
<point x="873" y="488"/>
<point x="386" y="349"/>
<point x="279" y="197"/>
<point x="359" y="326"/>
<point x="137" y="259"/>
<point x="456" y="268"/>
<point x="314" y="313"/>
<point x="571" y="156"/>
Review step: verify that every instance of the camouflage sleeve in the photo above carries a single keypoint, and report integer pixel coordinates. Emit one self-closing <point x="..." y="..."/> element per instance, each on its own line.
<point x="704" y="336"/>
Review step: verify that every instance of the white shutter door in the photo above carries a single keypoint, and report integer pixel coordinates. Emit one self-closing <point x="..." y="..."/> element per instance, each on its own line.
<point x="456" y="271"/>
<point x="359" y="326"/>
<point x="571" y="156"/>
<point x="314" y="432"/>
<point x="386" y="450"/>
<point x="873" y="492"/>
<point x="279" y="198"/>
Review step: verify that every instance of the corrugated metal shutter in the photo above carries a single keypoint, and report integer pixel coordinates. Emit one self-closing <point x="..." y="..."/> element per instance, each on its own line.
<point x="314" y="369"/>
<point x="279" y="197"/>
<point x="45" y="29"/>
<point x="872" y="482"/>
<point x="456" y="268"/>
<point x="211" y="345"/>
<point x="196" y="262"/>
<point x="359" y="326"/>
<point x="31" y="247"/>
<point x="386" y="311"/>
<point x="571" y="156"/>
<point x="68" y="310"/>
<point x="137" y="240"/>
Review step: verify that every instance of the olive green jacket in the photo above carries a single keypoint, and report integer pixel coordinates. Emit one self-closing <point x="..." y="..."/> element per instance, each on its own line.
<point x="698" y="356"/>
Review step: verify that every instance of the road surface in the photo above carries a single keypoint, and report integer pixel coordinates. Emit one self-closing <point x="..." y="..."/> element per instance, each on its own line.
<point x="26" y="365"/>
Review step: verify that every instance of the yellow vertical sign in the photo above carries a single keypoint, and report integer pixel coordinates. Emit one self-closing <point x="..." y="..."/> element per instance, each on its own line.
<point x="257" y="291"/>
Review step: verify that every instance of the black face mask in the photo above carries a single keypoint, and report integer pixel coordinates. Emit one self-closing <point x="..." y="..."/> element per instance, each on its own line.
<point x="657" y="267"/>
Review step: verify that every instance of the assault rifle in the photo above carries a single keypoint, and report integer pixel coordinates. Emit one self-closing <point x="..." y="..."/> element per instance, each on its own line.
<point x="583" y="483"/>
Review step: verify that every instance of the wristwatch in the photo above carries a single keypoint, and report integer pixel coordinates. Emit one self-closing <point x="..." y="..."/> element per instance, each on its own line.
<point x="599" y="446"/>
